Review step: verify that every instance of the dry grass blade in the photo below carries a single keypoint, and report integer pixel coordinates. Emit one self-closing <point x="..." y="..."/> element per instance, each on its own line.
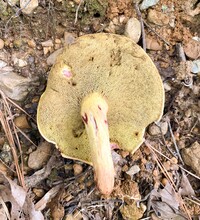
<point x="165" y="172"/>
<point x="9" y="129"/>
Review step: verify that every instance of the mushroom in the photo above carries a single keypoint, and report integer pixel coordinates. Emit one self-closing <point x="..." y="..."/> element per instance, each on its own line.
<point x="102" y="89"/>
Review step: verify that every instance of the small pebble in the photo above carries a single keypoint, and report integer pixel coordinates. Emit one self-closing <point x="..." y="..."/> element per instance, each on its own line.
<point x="48" y="43"/>
<point x="78" y="169"/>
<point x="22" y="63"/>
<point x="133" y="29"/>
<point x="125" y="168"/>
<point x="35" y="99"/>
<point x="153" y="44"/>
<point x="40" y="156"/>
<point x="157" y="17"/>
<point x="174" y="167"/>
<point x="1" y="44"/>
<point x="167" y="165"/>
<point x="39" y="192"/>
<point x="21" y="122"/>
<point x="173" y="160"/>
<point x="3" y="168"/>
<point x="58" y="41"/>
<point x="155" y="172"/>
<point x="164" y="181"/>
<point x="2" y="141"/>
<point x="155" y="130"/>
<point x="124" y="153"/>
<point x="69" y="38"/>
<point x="31" y="43"/>
<point x="147" y="151"/>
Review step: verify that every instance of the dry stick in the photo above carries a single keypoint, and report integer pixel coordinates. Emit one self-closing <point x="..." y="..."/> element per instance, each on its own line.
<point x="142" y="26"/>
<point x="192" y="174"/>
<point x="18" y="129"/>
<point x="174" y="141"/>
<point x="181" y="52"/>
<point x="164" y="141"/>
<point x="9" y="136"/>
<point x="77" y="10"/>
<point x="171" y="180"/>
<point x="21" y="109"/>
<point x="16" y="136"/>
<point x="156" y="33"/>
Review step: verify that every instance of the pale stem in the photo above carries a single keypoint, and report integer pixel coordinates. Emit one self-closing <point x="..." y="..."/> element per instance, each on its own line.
<point x="94" y="113"/>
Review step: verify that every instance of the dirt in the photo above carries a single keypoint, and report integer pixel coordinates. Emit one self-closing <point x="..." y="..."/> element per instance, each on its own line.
<point x="32" y="38"/>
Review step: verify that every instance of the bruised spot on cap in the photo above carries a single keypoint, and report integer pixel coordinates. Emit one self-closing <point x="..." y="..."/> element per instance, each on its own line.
<point x="67" y="73"/>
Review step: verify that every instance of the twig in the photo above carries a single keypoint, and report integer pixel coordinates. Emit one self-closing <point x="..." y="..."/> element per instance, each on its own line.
<point x="77" y="10"/>
<point x="165" y="172"/>
<point x="142" y="26"/>
<point x="8" y="131"/>
<point x="174" y="141"/>
<point x="151" y="147"/>
<point x="156" y="33"/>
<point x="164" y="141"/>
<point x="180" y="52"/>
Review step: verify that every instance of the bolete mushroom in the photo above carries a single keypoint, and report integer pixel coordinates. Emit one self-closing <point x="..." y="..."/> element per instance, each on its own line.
<point x="102" y="89"/>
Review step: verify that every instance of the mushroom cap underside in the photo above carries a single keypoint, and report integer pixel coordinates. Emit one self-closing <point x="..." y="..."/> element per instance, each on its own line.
<point x="118" y="69"/>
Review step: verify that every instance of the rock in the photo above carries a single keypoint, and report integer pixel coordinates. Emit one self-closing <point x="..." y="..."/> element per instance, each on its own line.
<point x="153" y="44"/>
<point x="38" y="192"/>
<point x="21" y="122"/>
<point x="157" y="17"/>
<point x="1" y="44"/>
<point x="20" y="62"/>
<point x="52" y="58"/>
<point x="78" y="169"/>
<point x="192" y="49"/>
<point x="133" y="170"/>
<point x="2" y="64"/>
<point x="28" y="6"/>
<point x="133" y="29"/>
<point x="148" y="3"/>
<point x="31" y="43"/>
<point x="132" y="211"/>
<point x="69" y="38"/>
<point x="191" y="156"/>
<point x="14" y="86"/>
<point x="155" y="130"/>
<point x="48" y="43"/>
<point x="39" y="157"/>
<point x="195" y="66"/>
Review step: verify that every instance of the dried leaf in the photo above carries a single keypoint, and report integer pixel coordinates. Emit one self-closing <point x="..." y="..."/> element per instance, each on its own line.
<point x="164" y="211"/>
<point x="170" y="197"/>
<point x="47" y="197"/>
<point x="22" y="206"/>
<point x="185" y="186"/>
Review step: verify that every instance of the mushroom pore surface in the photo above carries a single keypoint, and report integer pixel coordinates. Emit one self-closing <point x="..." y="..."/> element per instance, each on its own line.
<point x="117" y="69"/>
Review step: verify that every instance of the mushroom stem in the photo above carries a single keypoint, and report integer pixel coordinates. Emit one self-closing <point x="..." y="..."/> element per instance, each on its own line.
<point x="94" y="114"/>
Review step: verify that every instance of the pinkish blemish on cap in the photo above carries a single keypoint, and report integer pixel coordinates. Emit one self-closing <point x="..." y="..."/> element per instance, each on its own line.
<point x="67" y="73"/>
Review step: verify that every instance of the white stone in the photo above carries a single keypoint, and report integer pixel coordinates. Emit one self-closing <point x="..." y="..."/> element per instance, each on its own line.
<point x="14" y="86"/>
<point x="28" y="6"/>
<point x="133" y="29"/>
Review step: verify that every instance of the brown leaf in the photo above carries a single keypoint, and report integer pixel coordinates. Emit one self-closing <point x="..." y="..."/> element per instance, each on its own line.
<point x="21" y="205"/>
<point x="185" y="186"/>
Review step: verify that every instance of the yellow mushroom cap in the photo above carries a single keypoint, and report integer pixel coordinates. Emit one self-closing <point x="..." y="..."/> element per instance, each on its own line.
<point x="118" y="69"/>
